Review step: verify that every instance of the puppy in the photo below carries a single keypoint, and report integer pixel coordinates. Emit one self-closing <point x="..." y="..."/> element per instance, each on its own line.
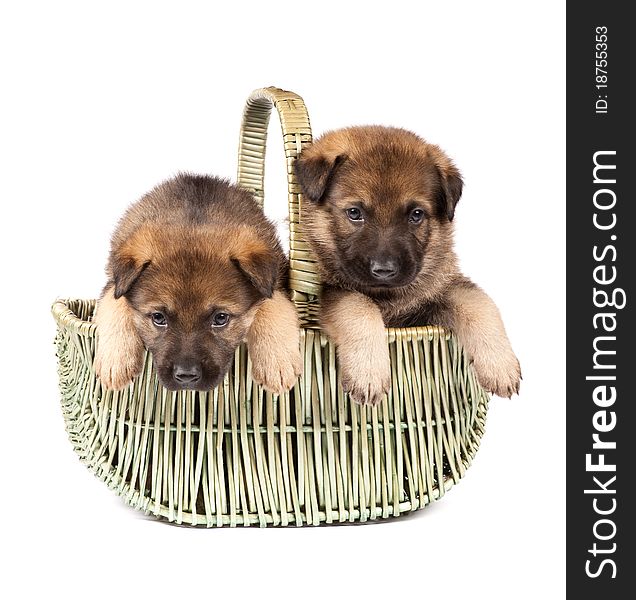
<point x="378" y="208"/>
<point x="195" y="268"/>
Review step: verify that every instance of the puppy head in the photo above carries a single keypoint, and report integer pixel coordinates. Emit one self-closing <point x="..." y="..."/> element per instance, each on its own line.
<point x="194" y="296"/>
<point x="379" y="204"/>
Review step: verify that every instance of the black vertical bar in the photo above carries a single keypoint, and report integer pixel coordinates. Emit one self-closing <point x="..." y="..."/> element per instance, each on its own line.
<point x="601" y="266"/>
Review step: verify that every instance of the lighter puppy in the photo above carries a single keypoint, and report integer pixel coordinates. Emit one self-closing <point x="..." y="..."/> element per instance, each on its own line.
<point x="378" y="208"/>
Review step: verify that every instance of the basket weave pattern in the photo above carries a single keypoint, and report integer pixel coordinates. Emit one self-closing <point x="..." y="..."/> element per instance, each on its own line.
<point x="239" y="455"/>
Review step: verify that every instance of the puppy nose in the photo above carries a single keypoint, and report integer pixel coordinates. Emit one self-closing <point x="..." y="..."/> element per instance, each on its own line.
<point x="384" y="269"/>
<point x="186" y="374"/>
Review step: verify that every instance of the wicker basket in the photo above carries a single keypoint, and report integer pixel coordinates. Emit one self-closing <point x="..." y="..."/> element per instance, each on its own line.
<point x="241" y="456"/>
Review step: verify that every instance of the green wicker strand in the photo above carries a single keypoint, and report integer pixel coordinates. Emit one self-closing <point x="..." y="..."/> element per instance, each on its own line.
<point x="238" y="456"/>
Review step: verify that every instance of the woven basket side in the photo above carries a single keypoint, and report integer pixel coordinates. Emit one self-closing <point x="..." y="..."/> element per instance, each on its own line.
<point x="304" y="282"/>
<point x="240" y="456"/>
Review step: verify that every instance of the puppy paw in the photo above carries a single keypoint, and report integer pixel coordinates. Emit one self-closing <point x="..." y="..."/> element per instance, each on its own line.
<point x="116" y="371"/>
<point x="274" y="345"/>
<point x="366" y="373"/>
<point x="499" y="374"/>
<point x="370" y="393"/>
<point x="276" y="368"/>
<point x="119" y="353"/>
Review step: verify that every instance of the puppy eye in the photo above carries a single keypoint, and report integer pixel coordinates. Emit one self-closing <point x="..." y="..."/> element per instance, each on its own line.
<point x="416" y="216"/>
<point x="159" y="319"/>
<point x="220" y="319"/>
<point x="354" y="214"/>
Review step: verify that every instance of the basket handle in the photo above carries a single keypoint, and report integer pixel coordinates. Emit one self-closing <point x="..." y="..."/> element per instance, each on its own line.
<point x="304" y="282"/>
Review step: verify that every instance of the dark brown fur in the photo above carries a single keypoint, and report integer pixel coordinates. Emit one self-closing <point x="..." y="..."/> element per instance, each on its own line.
<point x="191" y="249"/>
<point x="407" y="267"/>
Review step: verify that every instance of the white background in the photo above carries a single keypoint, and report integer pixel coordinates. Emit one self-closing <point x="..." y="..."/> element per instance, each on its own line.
<point x="100" y="101"/>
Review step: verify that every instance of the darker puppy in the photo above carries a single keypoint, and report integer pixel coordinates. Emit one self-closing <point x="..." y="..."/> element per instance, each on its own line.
<point x="195" y="268"/>
<point x="379" y="205"/>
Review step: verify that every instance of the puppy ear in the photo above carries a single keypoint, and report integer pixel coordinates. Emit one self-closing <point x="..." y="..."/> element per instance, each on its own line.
<point x="260" y="268"/>
<point x="315" y="173"/>
<point x="450" y="190"/>
<point x="126" y="270"/>
<point x="129" y="259"/>
<point x="451" y="184"/>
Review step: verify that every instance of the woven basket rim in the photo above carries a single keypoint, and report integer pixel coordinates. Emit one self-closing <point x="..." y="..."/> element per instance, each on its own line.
<point x="66" y="316"/>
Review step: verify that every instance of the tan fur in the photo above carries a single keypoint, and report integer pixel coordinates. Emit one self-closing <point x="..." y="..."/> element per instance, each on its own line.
<point x="273" y="344"/>
<point x="354" y="324"/>
<point x="385" y="171"/>
<point x="119" y="353"/>
<point x="478" y="325"/>
<point x="194" y="248"/>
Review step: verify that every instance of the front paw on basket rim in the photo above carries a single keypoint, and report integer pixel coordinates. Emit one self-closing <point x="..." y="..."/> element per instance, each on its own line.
<point x="503" y="382"/>
<point x="366" y="394"/>
<point x="278" y="377"/>
<point x="117" y="377"/>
